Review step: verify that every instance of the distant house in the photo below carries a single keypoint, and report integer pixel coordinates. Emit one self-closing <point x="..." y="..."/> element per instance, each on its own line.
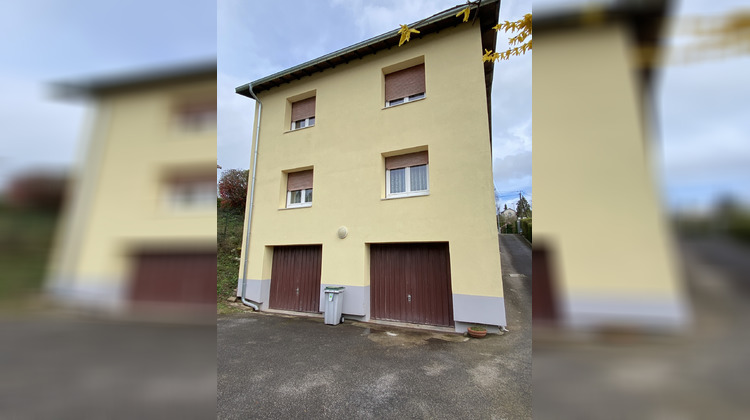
<point x="139" y="232"/>
<point x="506" y="217"/>
<point x="373" y="171"/>
<point x="598" y="263"/>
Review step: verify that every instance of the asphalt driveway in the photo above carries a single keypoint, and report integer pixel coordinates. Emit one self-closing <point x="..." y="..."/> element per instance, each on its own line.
<point x="274" y="366"/>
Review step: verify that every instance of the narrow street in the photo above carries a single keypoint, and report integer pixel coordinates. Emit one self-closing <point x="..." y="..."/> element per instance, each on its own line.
<point x="515" y="257"/>
<point x="700" y="373"/>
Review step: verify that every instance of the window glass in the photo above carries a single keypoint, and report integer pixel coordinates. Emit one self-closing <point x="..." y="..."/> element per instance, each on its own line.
<point x="311" y="121"/>
<point x="418" y="175"/>
<point x="295" y="197"/>
<point x="308" y="195"/>
<point x="398" y="180"/>
<point x="417" y="96"/>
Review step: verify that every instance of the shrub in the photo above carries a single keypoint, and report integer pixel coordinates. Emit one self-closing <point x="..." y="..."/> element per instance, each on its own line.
<point x="526" y="228"/>
<point x="233" y="188"/>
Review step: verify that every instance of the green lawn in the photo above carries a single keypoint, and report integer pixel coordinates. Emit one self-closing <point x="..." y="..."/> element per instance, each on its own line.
<point x="229" y="241"/>
<point x="25" y="242"/>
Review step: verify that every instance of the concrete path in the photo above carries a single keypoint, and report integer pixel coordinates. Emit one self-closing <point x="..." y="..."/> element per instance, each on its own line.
<point x="515" y="257"/>
<point x="700" y="374"/>
<point x="55" y="366"/>
<point x="272" y="366"/>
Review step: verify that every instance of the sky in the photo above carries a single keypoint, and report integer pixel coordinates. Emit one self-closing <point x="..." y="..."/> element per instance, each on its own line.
<point x="704" y="117"/>
<point x="46" y="41"/>
<point x="701" y="150"/>
<point x="257" y="39"/>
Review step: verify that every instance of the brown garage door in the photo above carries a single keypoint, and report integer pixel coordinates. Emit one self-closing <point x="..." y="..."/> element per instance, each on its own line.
<point x="411" y="283"/>
<point x="543" y="305"/>
<point x="175" y="277"/>
<point x="295" y="278"/>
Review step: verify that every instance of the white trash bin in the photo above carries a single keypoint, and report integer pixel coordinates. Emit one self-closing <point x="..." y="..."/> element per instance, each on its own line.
<point x="334" y="301"/>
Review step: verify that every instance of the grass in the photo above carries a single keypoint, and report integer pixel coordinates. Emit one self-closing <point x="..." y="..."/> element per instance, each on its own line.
<point x="25" y="242"/>
<point x="225" y="308"/>
<point x="229" y="242"/>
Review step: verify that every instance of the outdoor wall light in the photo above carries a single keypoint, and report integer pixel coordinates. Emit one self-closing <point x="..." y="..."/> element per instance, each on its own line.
<point x="343" y="231"/>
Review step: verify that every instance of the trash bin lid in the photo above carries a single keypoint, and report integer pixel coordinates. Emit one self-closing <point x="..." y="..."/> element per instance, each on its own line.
<point x="333" y="290"/>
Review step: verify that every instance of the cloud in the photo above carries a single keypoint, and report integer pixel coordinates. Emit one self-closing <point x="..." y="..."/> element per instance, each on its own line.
<point x="513" y="167"/>
<point x="253" y="44"/>
<point x="374" y="18"/>
<point x="236" y="115"/>
<point x="29" y="144"/>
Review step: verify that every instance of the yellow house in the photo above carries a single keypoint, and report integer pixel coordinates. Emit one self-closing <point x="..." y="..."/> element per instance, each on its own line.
<point x="372" y="170"/>
<point x="603" y="255"/>
<point x="139" y="230"/>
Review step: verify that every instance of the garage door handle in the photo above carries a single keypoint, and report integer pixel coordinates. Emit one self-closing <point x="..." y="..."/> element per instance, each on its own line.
<point x="408" y="297"/>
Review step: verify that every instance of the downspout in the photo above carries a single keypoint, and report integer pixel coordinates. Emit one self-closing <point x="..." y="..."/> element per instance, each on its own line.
<point x="252" y="196"/>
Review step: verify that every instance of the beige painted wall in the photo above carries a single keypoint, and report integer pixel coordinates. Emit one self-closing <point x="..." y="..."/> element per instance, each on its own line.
<point x="352" y="132"/>
<point x="595" y="199"/>
<point x="119" y="206"/>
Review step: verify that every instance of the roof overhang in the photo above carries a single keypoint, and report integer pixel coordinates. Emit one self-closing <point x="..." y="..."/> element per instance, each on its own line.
<point x="487" y="18"/>
<point x="185" y="73"/>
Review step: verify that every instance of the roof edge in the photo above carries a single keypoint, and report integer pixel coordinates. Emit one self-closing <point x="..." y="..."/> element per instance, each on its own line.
<point x="354" y="49"/>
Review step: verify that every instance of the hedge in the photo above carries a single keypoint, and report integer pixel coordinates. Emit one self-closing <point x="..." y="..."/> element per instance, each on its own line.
<point x="526" y="228"/>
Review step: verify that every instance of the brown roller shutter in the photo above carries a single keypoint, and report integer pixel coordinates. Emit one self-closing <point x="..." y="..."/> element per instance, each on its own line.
<point x="295" y="278"/>
<point x="299" y="180"/>
<point x="404" y="83"/>
<point x="411" y="283"/>
<point x="543" y="304"/>
<point x="402" y="161"/>
<point x="174" y="277"/>
<point x="303" y="109"/>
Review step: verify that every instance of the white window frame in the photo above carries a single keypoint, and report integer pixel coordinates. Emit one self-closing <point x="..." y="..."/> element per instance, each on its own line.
<point x="405" y="99"/>
<point x="306" y="121"/>
<point x="192" y="197"/>
<point x="407" y="181"/>
<point x="302" y="203"/>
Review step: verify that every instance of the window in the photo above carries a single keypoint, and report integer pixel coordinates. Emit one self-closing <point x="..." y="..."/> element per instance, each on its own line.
<point x="188" y="192"/>
<point x="404" y="85"/>
<point x="299" y="189"/>
<point x="303" y="113"/>
<point x="407" y="175"/>
<point x="197" y="116"/>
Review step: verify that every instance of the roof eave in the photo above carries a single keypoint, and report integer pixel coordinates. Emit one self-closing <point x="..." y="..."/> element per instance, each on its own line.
<point x="375" y="44"/>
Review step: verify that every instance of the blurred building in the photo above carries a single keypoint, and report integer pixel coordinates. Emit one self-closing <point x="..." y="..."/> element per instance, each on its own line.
<point x="395" y="144"/>
<point x="603" y="254"/>
<point x="139" y="232"/>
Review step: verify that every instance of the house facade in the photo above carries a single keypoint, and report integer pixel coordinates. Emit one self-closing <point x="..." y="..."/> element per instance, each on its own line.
<point x="371" y="169"/>
<point x="598" y="263"/>
<point x="139" y="230"/>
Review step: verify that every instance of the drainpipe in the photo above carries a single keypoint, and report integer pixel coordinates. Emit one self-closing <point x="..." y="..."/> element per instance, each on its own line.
<point x="252" y="196"/>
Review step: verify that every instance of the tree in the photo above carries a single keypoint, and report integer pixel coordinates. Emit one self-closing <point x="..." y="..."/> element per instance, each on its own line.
<point x="523" y="209"/>
<point x="519" y="44"/>
<point x="233" y="188"/>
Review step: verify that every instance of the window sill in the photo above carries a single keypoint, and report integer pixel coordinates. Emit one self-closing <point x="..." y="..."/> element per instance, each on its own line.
<point x="185" y="212"/>
<point x="404" y="103"/>
<point x="419" y="194"/>
<point x="298" y="129"/>
<point x="304" y="206"/>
